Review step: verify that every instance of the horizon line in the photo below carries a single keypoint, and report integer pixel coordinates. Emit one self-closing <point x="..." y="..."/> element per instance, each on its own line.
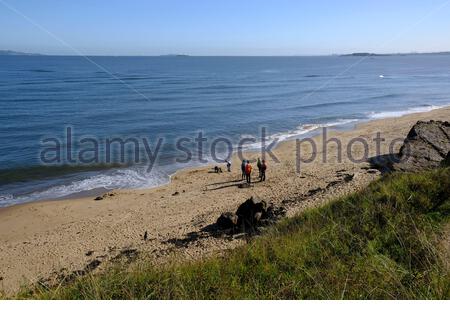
<point x="180" y="55"/>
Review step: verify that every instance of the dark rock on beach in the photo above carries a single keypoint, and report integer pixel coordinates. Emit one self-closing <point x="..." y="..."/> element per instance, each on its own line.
<point x="251" y="215"/>
<point x="106" y="195"/>
<point x="426" y="146"/>
<point x="250" y="212"/>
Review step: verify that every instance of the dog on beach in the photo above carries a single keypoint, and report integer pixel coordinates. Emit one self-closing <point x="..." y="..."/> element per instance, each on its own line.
<point x="217" y="169"/>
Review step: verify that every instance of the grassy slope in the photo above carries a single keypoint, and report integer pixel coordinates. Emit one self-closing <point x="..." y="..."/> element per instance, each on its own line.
<point x="379" y="243"/>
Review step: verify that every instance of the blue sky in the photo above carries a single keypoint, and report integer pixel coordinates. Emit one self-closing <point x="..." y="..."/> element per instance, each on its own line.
<point x="226" y="27"/>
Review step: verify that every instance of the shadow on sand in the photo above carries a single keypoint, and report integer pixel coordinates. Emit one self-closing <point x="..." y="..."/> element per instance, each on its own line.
<point x="208" y="231"/>
<point x="229" y="184"/>
<point x="384" y="163"/>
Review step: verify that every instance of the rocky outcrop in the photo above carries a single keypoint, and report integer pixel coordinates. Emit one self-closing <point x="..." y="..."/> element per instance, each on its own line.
<point x="426" y="146"/>
<point x="251" y="212"/>
<point x="251" y="215"/>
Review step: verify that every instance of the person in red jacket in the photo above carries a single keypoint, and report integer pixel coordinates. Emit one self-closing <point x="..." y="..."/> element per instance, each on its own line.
<point x="248" y="172"/>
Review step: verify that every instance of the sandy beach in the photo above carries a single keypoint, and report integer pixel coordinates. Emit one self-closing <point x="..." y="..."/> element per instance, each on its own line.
<point x="44" y="240"/>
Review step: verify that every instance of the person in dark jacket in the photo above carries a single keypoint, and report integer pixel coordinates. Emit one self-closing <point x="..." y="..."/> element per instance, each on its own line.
<point x="263" y="171"/>
<point x="244" y="163"/>
<point x="258" y="164"/>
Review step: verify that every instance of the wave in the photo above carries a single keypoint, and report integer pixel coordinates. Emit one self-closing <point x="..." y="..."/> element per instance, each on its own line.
<point x="356" y="101"/>
<point x="305" y="129"/>
<point x="40" y="172"/>
<point x="131" y="178"/>
<point x="39" y="70"/>
<point x="26" y="100"/>
<point x="399" y="113"/>
<point x="270" y="71"/>
<point x="300" y="131"/>
<point x="321" y="105"/>
<point x="313" y="76"/>
<point x="138" y="78"/>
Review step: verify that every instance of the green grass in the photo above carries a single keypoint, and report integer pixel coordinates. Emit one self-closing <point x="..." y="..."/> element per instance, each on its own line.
<point x="381" y="243"/>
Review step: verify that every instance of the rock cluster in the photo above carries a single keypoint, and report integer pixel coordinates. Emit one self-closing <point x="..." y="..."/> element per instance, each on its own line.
<point x="251" y="215"/>
<point x="106" y="195"/>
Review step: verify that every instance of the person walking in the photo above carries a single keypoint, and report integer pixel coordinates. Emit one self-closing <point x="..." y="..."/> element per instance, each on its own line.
<point x="248" y="172"/>
<point x="243" y="165"/>
<point x="263" y="171"/>
<point x="228" y="166"/>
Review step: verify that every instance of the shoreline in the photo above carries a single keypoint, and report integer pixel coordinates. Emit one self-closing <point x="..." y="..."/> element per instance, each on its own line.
<point x="42" y="240"/>
<point x="345" y="126"/>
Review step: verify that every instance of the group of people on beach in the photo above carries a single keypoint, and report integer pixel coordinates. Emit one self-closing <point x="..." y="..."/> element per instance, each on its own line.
<point x="247" y="169"/>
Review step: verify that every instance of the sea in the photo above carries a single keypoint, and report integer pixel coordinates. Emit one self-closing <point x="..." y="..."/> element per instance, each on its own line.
<point x="226" y="101"/>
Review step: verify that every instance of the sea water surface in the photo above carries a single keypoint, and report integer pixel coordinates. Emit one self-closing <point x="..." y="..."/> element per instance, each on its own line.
<point x="173" y="97"/>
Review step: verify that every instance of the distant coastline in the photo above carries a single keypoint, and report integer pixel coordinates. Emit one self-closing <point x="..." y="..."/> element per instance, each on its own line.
<point x="17" y="53"/>
<point x="174" y="55"/>
<point x="368" y="54"/>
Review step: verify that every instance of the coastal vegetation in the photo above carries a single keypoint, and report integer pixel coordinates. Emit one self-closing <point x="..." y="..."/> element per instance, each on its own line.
<point x="384" y="242"/>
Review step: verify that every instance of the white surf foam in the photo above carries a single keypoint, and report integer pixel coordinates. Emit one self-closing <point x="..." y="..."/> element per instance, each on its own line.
<point x="399" y="113"/>
<point x="133" y="178"/>
<point x="298" y="132"/>
<point x="5" y="197"/>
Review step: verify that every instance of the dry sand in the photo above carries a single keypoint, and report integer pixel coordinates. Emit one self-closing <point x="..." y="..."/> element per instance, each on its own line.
<point x="42" y="240"/>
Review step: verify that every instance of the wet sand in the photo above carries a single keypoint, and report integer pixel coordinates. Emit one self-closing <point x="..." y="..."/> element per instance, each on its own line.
<point x="44" y="240"/>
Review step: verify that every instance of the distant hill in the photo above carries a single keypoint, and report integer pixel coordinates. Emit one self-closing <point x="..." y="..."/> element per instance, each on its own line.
<point x="364" y="54"/>
<point x="368" y="54"/>
<point x="174" y="55"/>
<point x="16" y="53"/>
